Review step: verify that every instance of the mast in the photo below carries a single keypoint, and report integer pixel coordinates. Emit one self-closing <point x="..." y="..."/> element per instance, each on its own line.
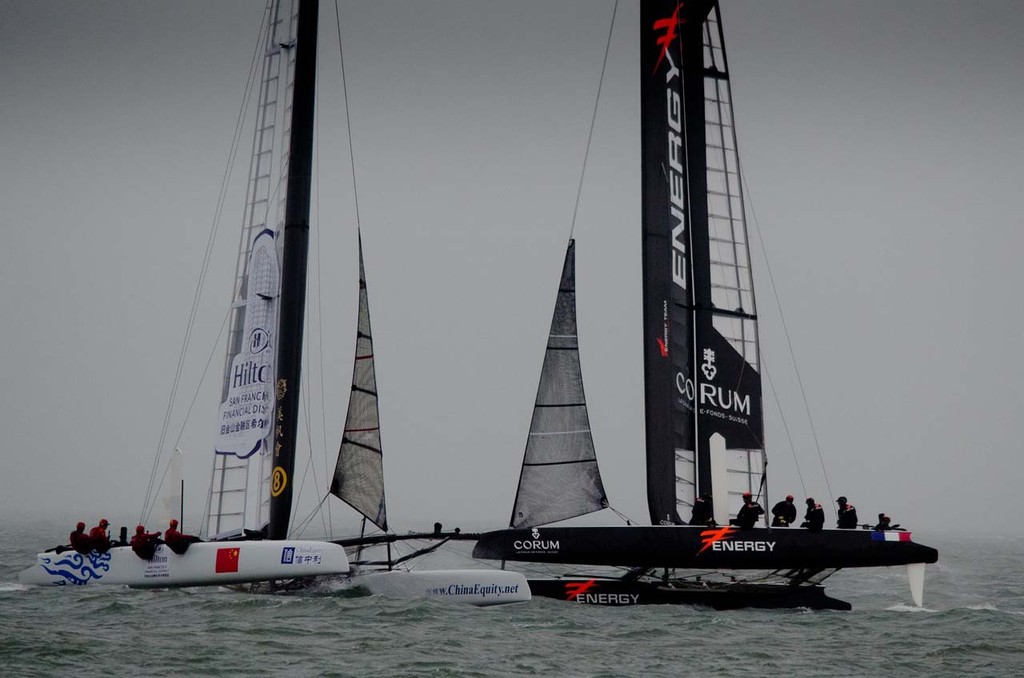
<point x="293" y="286"/>
<point x="701" y="354"/>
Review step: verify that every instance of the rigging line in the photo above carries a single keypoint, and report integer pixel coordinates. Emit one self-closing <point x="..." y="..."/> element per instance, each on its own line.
<point x="206" y="370"/>
<point x="623" y="516"/>
<point x="789" y="342"/>
<point x="214" y="227"/>
<point x="304" y="399"/>
<point x="593" y="120"/>
<point x="191" y="405"/>
<point x="195" y="396"/>
<point x="785" y="425"/>
<point x="348" y="117"/>
<point x="312" y="514"/>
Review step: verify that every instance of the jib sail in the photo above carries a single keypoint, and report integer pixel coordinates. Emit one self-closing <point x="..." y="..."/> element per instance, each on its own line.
<point x="560" y="478"/>
<point x="359" y="474"/>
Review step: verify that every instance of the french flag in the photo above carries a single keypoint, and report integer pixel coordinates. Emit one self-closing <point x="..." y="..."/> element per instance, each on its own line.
<point x="890" y="536"/>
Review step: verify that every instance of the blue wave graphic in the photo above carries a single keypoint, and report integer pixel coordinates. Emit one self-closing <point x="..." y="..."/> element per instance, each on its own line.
<point x="74" y="568"/>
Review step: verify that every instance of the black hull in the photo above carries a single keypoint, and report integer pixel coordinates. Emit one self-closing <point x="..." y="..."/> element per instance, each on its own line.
<point x="701" y="547"/>
<point x="620" y="593"/>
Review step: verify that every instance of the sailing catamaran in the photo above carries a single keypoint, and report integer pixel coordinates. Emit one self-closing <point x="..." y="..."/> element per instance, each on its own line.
<point x="249" y="515"/>
<point x="259" y="413"/>
<point x="704" y="426"/>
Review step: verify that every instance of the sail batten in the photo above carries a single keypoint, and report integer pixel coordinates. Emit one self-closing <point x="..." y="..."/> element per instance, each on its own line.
<point x="560" y="478"/>
<point x="359" y="473"/>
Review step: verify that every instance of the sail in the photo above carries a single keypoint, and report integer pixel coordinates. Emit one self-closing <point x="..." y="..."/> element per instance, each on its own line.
<point x="240" y="485"/>
<point x="359" y="474"/>
<point x="701" y="359"/>
<point x="560" y="478"/>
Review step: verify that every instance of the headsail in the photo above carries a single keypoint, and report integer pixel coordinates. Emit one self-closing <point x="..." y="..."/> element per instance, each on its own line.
<point x="560" y="478"/>
<point x="359" y="474"/>
<point x="701" y="358"/>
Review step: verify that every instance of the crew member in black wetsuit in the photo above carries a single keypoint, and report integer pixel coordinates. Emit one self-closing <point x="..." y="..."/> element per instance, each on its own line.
<point x="884" y="523"/>
<point x="847" y="515"/>
<point x="703" y="511"/>
<point x="748" y="514"/>
<point x="814" y="519"/>
<point x="784" y="513"/>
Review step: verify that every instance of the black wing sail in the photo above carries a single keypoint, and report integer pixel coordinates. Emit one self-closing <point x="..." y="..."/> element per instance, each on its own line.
<point x="667" y="283"/>
<point x="359" y="474"/>
<point x="560" y="478"/>
<point x="702" y="364"/>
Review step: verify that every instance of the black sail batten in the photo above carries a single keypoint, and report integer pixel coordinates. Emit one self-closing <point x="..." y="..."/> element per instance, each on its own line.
<point x="359" y="473"/>
<point x="702" y="381"/>
<point x="293" y="271"/>
<point x="560" y="478"/>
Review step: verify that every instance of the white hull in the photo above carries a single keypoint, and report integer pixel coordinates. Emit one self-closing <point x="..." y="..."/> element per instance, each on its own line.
<point x="474" y="587"/>
<point x="204" y="564"/>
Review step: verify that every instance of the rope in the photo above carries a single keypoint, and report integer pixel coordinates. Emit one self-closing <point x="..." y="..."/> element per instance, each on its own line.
<point x="789" y="341"/>
<point x="593" y="119"/>
<point x="348" y="117"/>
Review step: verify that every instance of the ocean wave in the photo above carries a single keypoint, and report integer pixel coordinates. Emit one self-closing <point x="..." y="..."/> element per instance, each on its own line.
<point x="903" y="607"/>
<point x="13" y="586"/>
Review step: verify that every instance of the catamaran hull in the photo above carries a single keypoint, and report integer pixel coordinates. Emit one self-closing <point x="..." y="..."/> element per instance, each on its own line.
<point x="614" y="592"/>
<point x="481" y="588"/>
<point x="706" y="548"/>
<point x="204" y="564"/>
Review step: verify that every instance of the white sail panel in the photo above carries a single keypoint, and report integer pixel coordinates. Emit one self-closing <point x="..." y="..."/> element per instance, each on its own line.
<point x="246" y="413"/>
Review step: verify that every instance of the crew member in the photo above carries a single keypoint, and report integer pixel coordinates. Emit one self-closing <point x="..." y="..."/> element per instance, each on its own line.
<point x="884" y="523"/>
<point x="847" y="515"/>
<point x="144" y="543"/>
<point x="177" y="541"/>
<point x="703" y="511"/>
<point x="784" y="513"/>
<point x="98" y="537"/>
<point x="79" y="540"/>
<point x="814" y="519"/>
<point x="748" y="514"/>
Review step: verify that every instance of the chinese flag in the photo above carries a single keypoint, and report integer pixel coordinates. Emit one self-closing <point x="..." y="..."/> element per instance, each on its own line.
<point x="227" y="560"/>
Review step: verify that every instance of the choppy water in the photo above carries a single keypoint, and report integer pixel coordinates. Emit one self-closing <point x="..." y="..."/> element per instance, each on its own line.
<point x="972" y="624"/>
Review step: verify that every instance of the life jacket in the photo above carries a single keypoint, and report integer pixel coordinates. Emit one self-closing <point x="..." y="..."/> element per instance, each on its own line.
<point x="847" y="517"/>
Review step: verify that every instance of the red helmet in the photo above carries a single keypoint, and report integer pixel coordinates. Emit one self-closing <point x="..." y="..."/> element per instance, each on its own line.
<point x="80" y="525"/>
<point x="139" y="529"/>
<point x="789" y="497"/>
<point x="104" y="522"/>
<point x="174" y="522"/>
<point x="747" y="494"/>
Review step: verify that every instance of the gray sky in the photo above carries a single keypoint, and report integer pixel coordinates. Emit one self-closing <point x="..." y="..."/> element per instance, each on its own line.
<point x="881" y="144"/>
